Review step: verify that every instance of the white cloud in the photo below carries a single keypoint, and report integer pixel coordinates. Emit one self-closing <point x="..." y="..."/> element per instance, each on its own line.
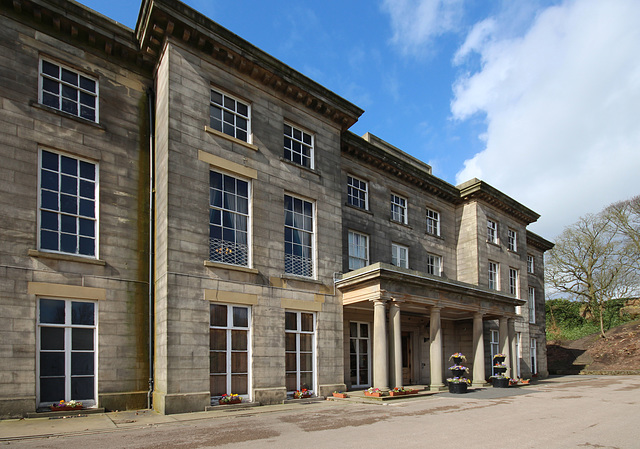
<point x="562" y="106"/>
<point x="416" y="22"/>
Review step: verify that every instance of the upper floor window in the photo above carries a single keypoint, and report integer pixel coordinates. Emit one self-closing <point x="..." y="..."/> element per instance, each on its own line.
<point x="398" y="209"/>
<point x="298" y="146"/>
<point x="399" y="255"/>
<point x="298" y="236"/>
<point x="67" y="204"/>
<point x="69" y="91"/>
<point x="513" y="282"/>
<point x="530" y="263"/>
<point x="358" y="250"/>
<point x="532" y="305"/>
<point x="433" y="222"/>
<point x="434" y="264"/>
<point x="357" y="192"/>
<point x="230" y="116"/>
<point x="493" y="276"/>
<point x="492" y="231"/>
<point x="512" y="242"/>
<point x="229" y="220"/>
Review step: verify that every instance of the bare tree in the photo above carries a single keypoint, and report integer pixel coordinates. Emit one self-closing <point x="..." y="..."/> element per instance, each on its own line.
<point x="591" y="262"/>
<point x="625" y="215"/>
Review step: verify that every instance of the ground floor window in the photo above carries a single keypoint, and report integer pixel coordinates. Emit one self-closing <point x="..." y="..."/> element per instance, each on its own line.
<point x="299" y="351"/>
<point x="534" y="356"/>
<point x="359" y="354"/>
<point x="229" y="347"/>
<point x="495" y="347"/>
<point x="66" y="351"/>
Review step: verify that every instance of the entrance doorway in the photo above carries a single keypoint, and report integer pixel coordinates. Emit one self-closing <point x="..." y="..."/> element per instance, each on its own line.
<point x="407" y="358"/>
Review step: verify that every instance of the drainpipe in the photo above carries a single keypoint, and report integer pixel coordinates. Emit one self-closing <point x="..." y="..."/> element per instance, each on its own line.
<point x="152" y="151"/>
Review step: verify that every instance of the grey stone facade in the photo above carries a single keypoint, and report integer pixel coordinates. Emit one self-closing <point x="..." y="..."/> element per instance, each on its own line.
<point x="154" y="149"/>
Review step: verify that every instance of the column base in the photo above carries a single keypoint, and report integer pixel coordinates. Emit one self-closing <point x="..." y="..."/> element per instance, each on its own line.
<point x="438" y="388"/>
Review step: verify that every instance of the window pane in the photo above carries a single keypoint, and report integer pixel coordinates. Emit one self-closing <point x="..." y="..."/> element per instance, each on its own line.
<point x="52" y="311"/>
<point x="82" y="363"/>
<point x="291" y="382"/>
<point x="51" y="364"/>
<point x="306" y="380"/>
<point x="82" y="339"/>
<point x="290" y="321"/>
<point x="353" y="329"/>
<point x="240" y="317"/>
<point x="218" y="385"/>
<point x="307" y="322"/>
<point x="51" y="338"/>
<point x="239" y="340"/>
<point x="306" y="342"/>
<point x="218" y="339"/>
<point x="306" y="362"/>
<point x="218" y="362"/>
<point x="290" y="342"/>
<point x="82" y="388"/>
<point x="218" y="315"/>
<point x="239" y="362"/>
<point x="364" y="330"/>
<point x="82" y="313"/>
<point x="52" y="389"/>
<point x="240" y="384"/>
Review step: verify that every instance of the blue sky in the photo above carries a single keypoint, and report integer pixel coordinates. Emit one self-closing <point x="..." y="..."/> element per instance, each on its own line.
<point x="539" y="98"/>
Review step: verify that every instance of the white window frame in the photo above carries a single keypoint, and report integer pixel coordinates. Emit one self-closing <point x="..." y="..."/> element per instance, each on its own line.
<point x="357" y="192"/>
<point x="399" y="209"/>
<point x="358" y="250"/>
<point x="530" y="264"/>
<point x="68" y="86"/>
<point x="296" y="141"/>
<point x="229" y="330"/>
<point x="433" y="222"/>
<point x="68" y="350"/>
<point x="514" y="282"/>
<point x="299" y="264"/>
<point x="223" y="210"/>
<point x="533" y="352"/>
<point x="494" y="275"/>
<point x="355" y="342"/>
<point x="47" y="215"/>
<point x="298" y="351"/>
<point x="512" y="240"/>
<point x="532" y="305"/>
<point x="434" y="265"/>
<point x="397" y="258"/>
<point x="492" y="231"/>
<point x="494" y="344"/>
<point x="227" y="112"/>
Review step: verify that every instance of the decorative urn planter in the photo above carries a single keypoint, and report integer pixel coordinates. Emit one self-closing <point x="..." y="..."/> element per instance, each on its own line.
<point x="500" y="382"/>
<point x="458" y="387"/>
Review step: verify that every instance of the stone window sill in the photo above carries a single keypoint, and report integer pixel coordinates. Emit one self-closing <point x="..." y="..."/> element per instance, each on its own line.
<point x="65" y="257"/>
<point x="226" y="266"/>
<point x="230" y="138"/>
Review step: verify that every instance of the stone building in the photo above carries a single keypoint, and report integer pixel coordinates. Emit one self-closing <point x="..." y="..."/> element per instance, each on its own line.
<point x="186" y="216"/>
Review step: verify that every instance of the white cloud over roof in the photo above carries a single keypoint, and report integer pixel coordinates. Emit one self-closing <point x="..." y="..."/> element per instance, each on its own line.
<point x="562" y="108"/>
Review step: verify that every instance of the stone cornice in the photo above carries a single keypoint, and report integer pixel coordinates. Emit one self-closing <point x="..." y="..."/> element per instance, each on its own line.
<point x="538" y="242"/>
<point x="161" y="18"/>
<point x="476" y="189"/>
<point x="79" y="25"/>
<point x="407" y="168"/>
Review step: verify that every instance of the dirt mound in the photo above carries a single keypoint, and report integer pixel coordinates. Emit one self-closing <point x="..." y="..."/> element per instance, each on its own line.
<point x="620" y="351"/>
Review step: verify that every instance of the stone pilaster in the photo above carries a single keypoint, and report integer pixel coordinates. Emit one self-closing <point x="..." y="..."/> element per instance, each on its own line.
<point x="380" y="347"/>
<point x="396" y="344"/>
<point x="435" y="353"/>
<point x="478" y="350"/>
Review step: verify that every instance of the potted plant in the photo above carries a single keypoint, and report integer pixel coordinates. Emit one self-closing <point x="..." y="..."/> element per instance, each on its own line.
<point x="500" y="381"/>
<point x="458" y="385"/>
<point x="458" y="370"/>
<point x="373" y="392"/>
<point x="64" y="406"/>
<point x="229" y="399"/>
<point x="499" y="359"/>
<point x="398" y="391"/>
<point x="301" y="394"/>
<point x="340" y="394"/>
<point x="457" y="358"/>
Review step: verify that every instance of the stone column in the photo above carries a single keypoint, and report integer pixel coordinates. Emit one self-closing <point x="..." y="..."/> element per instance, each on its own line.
<point x="396" y="344"/>
<point x="513" y="361"/>
<point x="478" y="350"/>
<point x="435" y="350"/>
<point x="380" y="349"/>
<point x="505" y="347"/>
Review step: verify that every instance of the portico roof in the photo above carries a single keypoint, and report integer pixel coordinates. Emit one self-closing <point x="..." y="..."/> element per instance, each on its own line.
<point x="418" y="292"/>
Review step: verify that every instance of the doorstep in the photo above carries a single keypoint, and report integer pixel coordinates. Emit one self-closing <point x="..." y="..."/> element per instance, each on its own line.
<point x="48" y="413"/>
<point x="231" y="407"/>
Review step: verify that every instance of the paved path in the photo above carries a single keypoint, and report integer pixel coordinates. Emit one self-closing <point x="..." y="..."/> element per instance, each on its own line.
<point x="561" y="412"/>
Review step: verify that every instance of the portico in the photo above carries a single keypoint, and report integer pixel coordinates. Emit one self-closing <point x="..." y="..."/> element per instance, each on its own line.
<point x="418" y="320"/>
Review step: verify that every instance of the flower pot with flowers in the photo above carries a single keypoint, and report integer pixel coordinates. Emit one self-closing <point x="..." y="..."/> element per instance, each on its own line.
<point x="65" y="406"/>
<point x="301" y="394"/>
<point x="457" y="358"/>
<point x="398" y="391"/>
<point x="458" y="385"/>
<point x="500" y="381"/>
<point x="230" y="399"/>
<point x="340" y="394"/>
<point x="373" y="392"/>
